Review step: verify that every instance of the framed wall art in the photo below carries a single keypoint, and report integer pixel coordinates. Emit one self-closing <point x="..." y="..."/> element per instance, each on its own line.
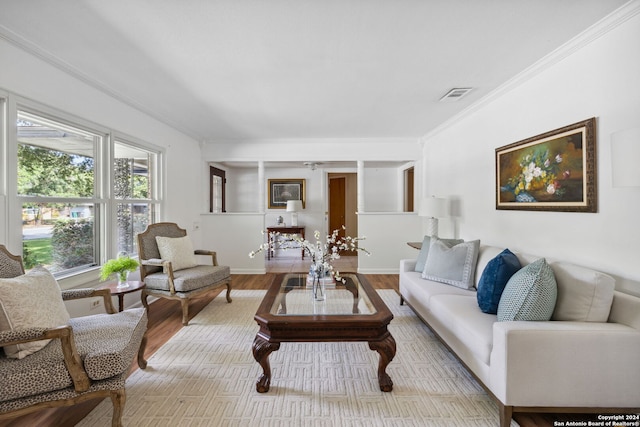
<point x="281" y="190"/>
<point x="555" y="171"/>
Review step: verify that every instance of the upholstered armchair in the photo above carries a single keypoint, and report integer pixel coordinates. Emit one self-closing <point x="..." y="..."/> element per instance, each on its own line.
<point x="50" y="359"/>
<point x="169" y="268"/>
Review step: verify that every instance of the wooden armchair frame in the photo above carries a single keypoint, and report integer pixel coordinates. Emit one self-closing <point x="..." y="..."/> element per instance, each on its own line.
<point x="82" y="384"/>
<point x="150" y="262"/>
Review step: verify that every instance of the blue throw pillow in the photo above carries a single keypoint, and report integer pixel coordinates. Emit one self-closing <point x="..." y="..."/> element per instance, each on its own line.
<point x="494" y="278"/>
<point x="530" y="294"/>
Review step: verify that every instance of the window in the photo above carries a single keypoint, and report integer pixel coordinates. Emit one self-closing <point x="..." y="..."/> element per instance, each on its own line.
<point x="56" y="186"/>
<point x="83" y="194"/>
<point x="408" y="189"/>
<point x="133" y="191"/>
<point x="217" y="183"/>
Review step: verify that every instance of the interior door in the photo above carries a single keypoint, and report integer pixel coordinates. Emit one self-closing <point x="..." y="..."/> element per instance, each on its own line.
<point x="343" y="205"/>
<point x="337" y="203"/>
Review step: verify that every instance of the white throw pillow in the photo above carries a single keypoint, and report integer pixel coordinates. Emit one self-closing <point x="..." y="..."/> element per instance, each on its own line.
<point x="32" y="300"/>
<point x="452" y="265"/>
<point x="178" y="250"/>
<point x="584" y="295"/>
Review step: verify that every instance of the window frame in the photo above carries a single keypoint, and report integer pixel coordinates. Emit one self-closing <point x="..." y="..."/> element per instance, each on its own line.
<point x="155" y="175"/>
<point x="103" y="198"/>
<point x="222" y="174"/>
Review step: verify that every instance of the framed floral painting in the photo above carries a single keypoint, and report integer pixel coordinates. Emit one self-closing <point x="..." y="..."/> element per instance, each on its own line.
<point x="555" y="171"/>
<point x="281" y="190"/>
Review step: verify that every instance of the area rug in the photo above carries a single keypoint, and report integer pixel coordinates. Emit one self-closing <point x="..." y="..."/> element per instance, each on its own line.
<point x="205" y="376"/>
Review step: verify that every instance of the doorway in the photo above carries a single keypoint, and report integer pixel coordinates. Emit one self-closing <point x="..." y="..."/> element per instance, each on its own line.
<point x="343" y="200"/>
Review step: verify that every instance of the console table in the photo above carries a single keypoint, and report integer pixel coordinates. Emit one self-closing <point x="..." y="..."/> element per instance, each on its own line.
<point x="415" y="245"/>
<point x="283" y="230"/>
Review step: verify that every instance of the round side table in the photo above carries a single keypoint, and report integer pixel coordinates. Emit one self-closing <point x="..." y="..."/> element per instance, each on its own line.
<point x="132" y="286"/>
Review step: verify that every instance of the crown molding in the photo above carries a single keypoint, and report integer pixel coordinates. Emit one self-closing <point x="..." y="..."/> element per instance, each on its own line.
<point x="588" y="36"/>
<point x="321" y="140"/>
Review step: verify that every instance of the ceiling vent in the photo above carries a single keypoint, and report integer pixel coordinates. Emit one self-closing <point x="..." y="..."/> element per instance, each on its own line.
<point x="456" y="94"/>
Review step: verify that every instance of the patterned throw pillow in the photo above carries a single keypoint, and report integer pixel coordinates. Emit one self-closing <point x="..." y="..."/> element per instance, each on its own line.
<point x="33" y="300"/>
<point x="454" y="265"/>
<point x="530" y="294"/>
<point x="178" y="250"/>
<point x="424" y="251"/>
<point x="494" y="279"/>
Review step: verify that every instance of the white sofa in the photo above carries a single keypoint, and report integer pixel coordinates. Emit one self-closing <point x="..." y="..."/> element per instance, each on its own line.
<point x="545" y="366"/>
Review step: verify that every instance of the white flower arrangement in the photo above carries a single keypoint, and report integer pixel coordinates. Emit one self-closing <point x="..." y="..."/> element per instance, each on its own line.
<point x="320" y="253"/>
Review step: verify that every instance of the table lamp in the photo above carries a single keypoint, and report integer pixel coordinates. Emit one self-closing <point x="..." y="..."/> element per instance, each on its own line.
<point x="433" y="208"/>
<point x="294" y="206"/>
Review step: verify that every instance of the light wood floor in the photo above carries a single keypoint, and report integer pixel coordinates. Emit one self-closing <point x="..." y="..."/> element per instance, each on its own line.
<point x="165" y="320"/>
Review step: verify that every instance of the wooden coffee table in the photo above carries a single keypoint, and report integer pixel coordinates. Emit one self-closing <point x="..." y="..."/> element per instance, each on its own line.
<point x="351" y="312"/>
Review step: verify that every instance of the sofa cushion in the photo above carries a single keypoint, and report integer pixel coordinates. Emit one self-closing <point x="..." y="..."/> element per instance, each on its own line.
<point x="584" y="294"/>
<point x="530" y="294"/>
<point x="460" y="316"/>
<point x="494" y="278"/>
<point x="178" y="250"/>
<point x="33" y="300"/>
<point x="452" y="265"/>
<point x="424" y="250"/>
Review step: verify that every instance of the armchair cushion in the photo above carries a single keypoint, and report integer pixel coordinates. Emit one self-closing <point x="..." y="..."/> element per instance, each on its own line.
<point x="189" y="279"/>
<point x="178" y="250"/>
<point x="32" y="300"/>
<point x="106" y="344"/>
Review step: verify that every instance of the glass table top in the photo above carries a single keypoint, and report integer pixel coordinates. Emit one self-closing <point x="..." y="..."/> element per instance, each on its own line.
<point x="295" y="298"/>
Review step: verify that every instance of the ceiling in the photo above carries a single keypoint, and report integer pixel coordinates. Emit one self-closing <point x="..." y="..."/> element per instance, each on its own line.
<point x="231" y="70"/>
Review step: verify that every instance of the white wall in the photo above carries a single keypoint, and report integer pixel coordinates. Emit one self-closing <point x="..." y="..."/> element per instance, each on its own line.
<point x="386" y="236"/>
<point x="233" y="236"/>
<point x="381" y="190"/>
<point x="602" y="80"/>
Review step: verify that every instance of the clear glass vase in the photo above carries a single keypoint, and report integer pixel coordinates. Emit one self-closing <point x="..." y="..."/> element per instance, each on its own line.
<point x="318" y="288"/>
<point x="123" y="276"/>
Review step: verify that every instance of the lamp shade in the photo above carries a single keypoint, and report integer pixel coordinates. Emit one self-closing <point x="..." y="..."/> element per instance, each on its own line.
<point x="433" y="207"/>
<point x="294" y="205"/>
<point x="625" y="152"/>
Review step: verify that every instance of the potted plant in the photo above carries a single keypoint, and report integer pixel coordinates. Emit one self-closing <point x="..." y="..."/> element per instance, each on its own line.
<point x="121" y="266"/>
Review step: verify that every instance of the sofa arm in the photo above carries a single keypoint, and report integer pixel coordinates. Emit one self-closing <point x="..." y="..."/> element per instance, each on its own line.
<point x="565" y="364"/>
<point x="407" y="265"/>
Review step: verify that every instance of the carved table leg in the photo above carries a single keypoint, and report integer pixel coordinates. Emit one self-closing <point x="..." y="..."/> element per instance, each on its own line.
<point x="261" y="351"/>
<point x="387" y="350"/>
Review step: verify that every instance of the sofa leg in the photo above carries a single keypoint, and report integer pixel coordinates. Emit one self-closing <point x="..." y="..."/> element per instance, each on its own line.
<point x="118" y="399"/>
<point x="401" y="300"/>
<point x="185" y="311"/>
<point x="506" y="412"/>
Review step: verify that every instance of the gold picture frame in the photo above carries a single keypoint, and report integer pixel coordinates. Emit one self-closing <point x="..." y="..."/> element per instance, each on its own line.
<point x="281" y="190"/>
<point x="554" y="171"/>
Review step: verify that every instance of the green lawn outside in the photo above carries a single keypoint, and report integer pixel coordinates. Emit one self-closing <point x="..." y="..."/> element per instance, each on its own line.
<point x="38" y="251"/>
